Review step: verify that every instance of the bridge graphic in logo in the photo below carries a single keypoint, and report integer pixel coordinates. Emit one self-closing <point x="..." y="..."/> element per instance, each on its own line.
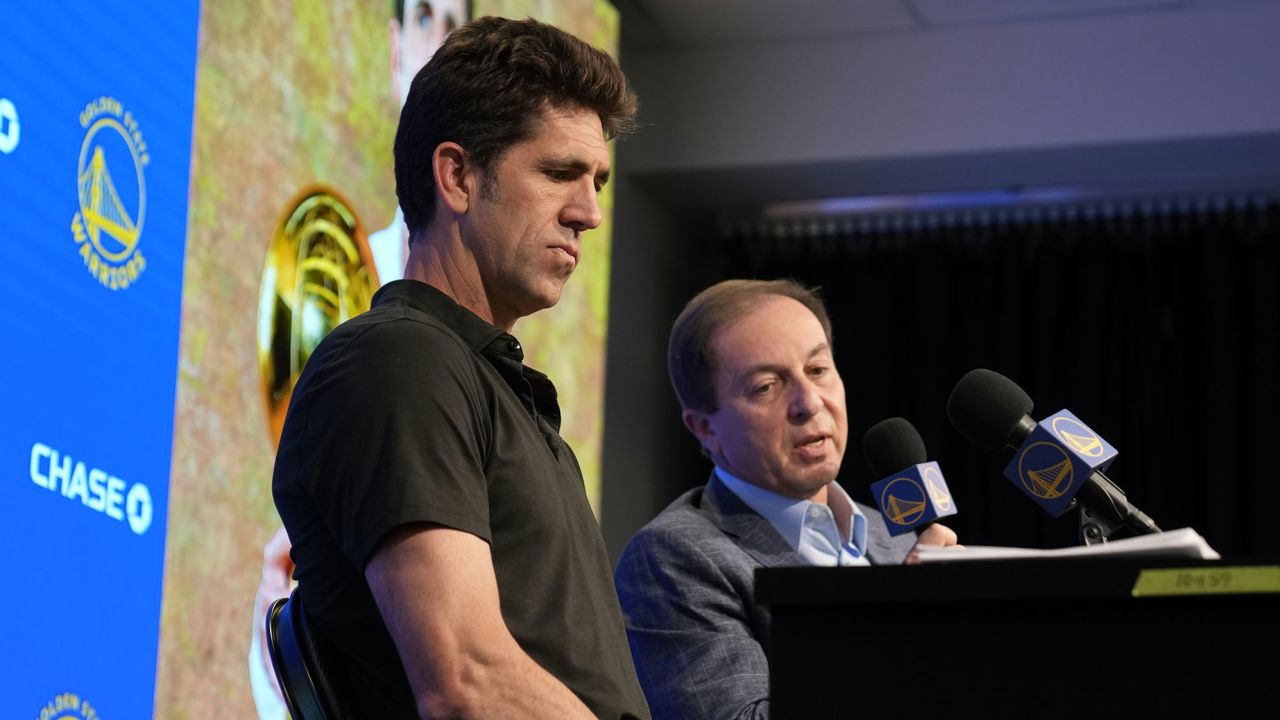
<point x="1080" y="438"/>
<point x="103" y="212"/>
<point x="902" y="501"/>
<point x="1045" y="470"/>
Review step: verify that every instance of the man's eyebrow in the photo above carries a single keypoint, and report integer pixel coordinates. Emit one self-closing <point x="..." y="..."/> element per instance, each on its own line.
<point x="579" y="166"/>
<point x="819" y="349"/>
<point x="749" y="372"/>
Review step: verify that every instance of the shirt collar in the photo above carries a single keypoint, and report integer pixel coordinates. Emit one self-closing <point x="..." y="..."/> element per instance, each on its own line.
<point x="787" y="514"/>
<point x="503" y="351"/>
<point x="470" y="327"/>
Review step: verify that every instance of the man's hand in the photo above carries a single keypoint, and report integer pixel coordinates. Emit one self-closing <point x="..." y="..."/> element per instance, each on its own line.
<point x="935" y="534"/>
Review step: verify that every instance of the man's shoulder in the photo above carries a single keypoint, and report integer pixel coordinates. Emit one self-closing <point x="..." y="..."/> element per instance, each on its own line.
<point x="385" y="339"/>
<point x="388" y="361"/>
<point x="680" y="555"/>
<point x="398" y="323"/>
<point x="686" y="515"/>
<point x="685" y="527"/>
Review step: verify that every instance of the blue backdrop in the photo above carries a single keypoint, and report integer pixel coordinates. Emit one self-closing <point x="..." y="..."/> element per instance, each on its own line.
<point x="95" y="147"/>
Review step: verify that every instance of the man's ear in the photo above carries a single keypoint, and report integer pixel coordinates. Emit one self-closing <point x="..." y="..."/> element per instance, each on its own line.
<point x="455" y="180"/>
<point x="699" y="423"/>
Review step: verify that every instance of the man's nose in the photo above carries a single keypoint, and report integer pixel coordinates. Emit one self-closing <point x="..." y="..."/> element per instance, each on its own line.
<point x="582" y="212"/>
<point x="806" y="401"/>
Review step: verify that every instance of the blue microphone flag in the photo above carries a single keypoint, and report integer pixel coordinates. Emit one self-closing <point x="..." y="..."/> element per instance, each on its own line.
<point x="913" y="497"/>
<point x="1056" y="460"/>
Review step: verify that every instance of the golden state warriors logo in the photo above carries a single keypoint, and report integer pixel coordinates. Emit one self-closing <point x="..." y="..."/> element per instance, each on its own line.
<point x="1045" y="470"/>
<point x="1078" y="437"/>
<point x="902" y="501"/>
<point x="113" y="194"/>
<point x="937" y="489"/>
<point x="68" y="706"/>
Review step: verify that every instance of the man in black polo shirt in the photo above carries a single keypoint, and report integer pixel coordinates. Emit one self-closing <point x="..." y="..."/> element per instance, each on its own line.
<point x="445" y="549"/>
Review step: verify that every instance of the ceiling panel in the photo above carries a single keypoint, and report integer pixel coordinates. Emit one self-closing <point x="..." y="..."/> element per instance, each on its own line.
<point x="689" y="22"/>
<point x="952" y="12"/>
<point x="657" y="23"/>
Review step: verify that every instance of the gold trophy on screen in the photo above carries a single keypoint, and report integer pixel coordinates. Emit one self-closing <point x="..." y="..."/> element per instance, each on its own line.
<point x="318" y="273"/>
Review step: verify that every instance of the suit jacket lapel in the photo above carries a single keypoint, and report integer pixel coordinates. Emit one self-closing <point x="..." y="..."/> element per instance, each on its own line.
<point x="879" y="547"/>
<point x="883" y="548"/>
<point x="753" y="534"/>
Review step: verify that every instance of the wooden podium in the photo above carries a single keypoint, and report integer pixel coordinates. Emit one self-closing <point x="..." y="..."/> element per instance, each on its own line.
<point x="1070" y="638"/>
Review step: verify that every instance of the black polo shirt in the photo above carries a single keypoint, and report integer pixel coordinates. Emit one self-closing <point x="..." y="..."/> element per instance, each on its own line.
<point x="418" y="411"/>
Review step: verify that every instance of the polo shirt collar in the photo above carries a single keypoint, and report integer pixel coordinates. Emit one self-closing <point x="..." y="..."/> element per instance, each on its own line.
<point x="535" y="390"/>
<point x="474" y="331"/>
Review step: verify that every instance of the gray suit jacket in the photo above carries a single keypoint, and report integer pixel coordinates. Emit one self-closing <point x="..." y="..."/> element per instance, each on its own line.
<point x="686" y="582"/>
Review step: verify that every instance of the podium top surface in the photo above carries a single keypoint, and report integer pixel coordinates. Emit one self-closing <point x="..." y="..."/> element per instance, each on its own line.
<point x="1014" y="580"/>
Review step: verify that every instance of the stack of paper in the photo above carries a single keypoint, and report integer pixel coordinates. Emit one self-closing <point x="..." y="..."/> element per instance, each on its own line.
<point x="1182" y="543"/>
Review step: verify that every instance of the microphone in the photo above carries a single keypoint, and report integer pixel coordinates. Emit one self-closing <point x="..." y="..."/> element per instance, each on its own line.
<point x="912" y="492"/>
<point x="1059" y="461"/>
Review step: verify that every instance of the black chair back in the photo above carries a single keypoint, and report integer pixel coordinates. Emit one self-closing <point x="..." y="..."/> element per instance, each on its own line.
<point x="297" y="663"/>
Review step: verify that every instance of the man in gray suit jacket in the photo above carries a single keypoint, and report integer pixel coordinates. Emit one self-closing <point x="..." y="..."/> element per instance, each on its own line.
<point x="751" y="362"/>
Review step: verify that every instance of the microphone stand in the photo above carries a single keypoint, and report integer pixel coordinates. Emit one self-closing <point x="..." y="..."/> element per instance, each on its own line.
<point x="1117" y="513"/>
<point x="1094" y="529"/>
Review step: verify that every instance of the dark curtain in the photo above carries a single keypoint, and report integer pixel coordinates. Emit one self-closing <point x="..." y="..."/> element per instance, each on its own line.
<point x="1155" y="323"/>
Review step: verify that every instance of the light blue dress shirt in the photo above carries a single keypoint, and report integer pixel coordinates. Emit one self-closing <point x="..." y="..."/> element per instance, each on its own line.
<point x="809" y="527"/>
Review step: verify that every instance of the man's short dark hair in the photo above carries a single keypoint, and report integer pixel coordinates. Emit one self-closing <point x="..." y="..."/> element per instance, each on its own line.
<point x="690" y="361"/>
<point x="487" y="88"/>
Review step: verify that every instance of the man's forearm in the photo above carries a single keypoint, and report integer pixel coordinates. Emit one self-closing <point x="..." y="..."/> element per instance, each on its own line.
<point x="438" y="596"/>
<point x="512" y="685"/>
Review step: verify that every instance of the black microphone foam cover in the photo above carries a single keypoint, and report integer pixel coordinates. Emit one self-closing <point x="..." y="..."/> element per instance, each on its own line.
<point x="891" y="446"/>
<point x="987" y="408"/>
